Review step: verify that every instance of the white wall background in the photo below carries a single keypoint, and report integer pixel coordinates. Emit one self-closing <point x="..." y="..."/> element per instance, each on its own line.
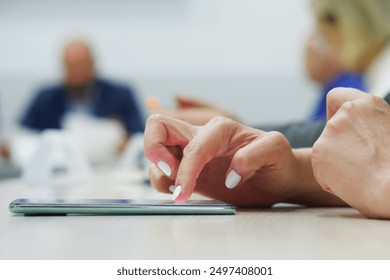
<point x="245" y="55"/>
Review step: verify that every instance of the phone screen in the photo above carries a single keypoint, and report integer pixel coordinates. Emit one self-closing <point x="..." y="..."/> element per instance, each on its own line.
<point x="119" y="207"/>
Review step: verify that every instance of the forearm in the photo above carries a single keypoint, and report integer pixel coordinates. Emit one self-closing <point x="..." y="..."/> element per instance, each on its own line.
<point x="306" y="189"/>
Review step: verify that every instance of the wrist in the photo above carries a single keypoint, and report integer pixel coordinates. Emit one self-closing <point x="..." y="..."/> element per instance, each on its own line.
<point x="305" y="189"/>
<point x="305" y="177"/>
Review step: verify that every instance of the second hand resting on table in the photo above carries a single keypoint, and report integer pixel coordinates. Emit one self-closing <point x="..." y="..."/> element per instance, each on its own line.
<point x="237" y="164"/>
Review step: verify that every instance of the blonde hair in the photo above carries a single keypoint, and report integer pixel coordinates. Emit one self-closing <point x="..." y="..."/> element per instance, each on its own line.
<point x="362" y="23"/>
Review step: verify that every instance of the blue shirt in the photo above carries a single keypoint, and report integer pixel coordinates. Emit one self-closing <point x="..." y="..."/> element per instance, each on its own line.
<point x="350" y="80"/>
<point x="108" y="100"/>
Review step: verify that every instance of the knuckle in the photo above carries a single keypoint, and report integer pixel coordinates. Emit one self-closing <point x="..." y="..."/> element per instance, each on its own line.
<point x="368" y="103"/>
<point x="348" y="107"/>
<point x="279" y="139"/>
<point x="183" y="171"/>
<point x="223" y="126"/>
<point x="221" y="122"/>
<point x="193" y="148"/>
<point x="376" y="100"/>
<point x="333" y="126"/>
<point x="241" y="160"/>
<point x="159" y="119"/>
<point x="362" y="103"/>
<point x="154" y="118"/>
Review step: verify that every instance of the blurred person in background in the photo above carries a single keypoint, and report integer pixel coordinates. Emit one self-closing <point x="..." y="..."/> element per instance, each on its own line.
<point x="324" y="68"/>
<point x="357" y="32"/>
<point x="83" y="91"/>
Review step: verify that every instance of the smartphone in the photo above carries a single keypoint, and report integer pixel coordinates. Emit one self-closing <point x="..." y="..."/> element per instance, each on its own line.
<point x="37" y="207"/>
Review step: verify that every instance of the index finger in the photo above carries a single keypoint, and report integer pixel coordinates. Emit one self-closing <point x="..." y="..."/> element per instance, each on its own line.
<point x="213" y="139"/>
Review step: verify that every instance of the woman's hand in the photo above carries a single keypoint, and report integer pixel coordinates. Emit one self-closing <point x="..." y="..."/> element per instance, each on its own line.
<point x="351" y="159"/>
<point x="225" y="160"/>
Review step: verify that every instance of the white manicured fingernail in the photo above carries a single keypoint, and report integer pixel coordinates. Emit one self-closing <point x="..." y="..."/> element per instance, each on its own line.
<point x="172" y="188"/>
<point x="232" y="180"/>
<point x="176" y="193"/>
<point x="164" y="167"/>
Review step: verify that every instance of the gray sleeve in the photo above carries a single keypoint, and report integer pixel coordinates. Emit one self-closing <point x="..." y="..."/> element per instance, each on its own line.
<point x="387" y="98"/>
<point x="299" y="134"/>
